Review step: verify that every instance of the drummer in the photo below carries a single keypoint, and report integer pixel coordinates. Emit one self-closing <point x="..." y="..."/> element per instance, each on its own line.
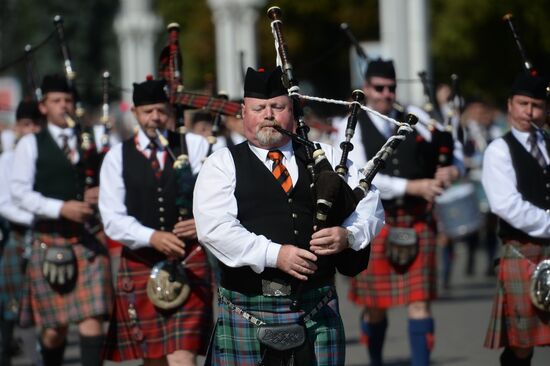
<point x="408" y="185"/>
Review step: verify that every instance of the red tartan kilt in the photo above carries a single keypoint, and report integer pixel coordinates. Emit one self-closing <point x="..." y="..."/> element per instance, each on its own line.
<point x="515" y="321"/>
<point x="92" y="294"/>
<point x="156" y="332"/>
<point x="383" y="286"/>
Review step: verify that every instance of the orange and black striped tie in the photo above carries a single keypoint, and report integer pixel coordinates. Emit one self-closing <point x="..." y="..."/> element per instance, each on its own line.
<point x="279" y="170"/>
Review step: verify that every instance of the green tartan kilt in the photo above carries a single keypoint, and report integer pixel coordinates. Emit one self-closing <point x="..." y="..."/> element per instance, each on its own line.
<point x="234" y="341"/>
<point x="91" y="296"/>
<point x="12" y="277"/>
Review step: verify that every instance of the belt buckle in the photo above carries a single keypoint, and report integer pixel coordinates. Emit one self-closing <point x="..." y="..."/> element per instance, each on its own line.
<point x="275" y="288"/>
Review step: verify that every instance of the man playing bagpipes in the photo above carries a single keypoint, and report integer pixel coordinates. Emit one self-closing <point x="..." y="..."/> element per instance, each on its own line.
<point x="68" y="274"/>
<point x="516" y="181"/>
<point x="163" y="306"/>
<point x="254" y="210"/>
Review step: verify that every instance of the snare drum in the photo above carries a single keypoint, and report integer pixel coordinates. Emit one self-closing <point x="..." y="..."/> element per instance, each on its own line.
<point x="457" y="210"/>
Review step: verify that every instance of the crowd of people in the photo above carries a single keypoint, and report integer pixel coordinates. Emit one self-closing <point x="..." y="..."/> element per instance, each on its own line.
<point x="232" y="218"/>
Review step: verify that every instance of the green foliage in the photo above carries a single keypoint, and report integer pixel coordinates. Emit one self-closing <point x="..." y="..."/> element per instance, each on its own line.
<point x="468" y="38"/>
<point x="471" y="39"/>
<point x="89" y="33"/>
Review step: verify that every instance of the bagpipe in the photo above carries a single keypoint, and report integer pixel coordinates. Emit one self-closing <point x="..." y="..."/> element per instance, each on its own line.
<point x="89" y="157"/>
<point x="168" y="285"/>
<point x="457" y="208"/>
<point x="334" y="199"/>
<point x="442" y="136"/>
<point x="527" y="65"/>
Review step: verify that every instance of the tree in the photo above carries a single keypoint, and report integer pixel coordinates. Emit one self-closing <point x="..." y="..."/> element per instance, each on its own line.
<point x="89" y="33"/>
<point x="471" y="39"/>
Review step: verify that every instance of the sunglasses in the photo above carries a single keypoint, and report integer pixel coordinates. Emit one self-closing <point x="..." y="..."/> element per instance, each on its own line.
<point x="380" y="88"/>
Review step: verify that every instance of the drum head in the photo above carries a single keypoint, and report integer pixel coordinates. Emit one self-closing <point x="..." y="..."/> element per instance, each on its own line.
<point x="457" y="210"/>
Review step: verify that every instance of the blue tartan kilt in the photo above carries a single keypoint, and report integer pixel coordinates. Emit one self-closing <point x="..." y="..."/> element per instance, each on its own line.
<point x="234" y="341"/>
<point x="12" y="277"/>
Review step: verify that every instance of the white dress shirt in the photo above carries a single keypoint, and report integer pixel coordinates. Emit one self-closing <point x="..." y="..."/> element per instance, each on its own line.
<point x="215" y="210"/>
<point x="24" y="169"/>
<point x="8" y="210"/>
<point x="390" y="187"/>
<point x="7" y="140"/>
<point x="117" y="223"/>
<point x="500" y="184"/>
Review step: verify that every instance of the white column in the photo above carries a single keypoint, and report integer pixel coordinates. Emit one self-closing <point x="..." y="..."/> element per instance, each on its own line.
<point x="404" y="38"/>
<point x="418" y="47"/>
<point x="136" y="27"/>
<point x="234" y="21"/>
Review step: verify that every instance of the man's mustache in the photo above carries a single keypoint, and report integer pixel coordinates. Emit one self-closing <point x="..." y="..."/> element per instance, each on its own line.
<point x="268" y="124"/>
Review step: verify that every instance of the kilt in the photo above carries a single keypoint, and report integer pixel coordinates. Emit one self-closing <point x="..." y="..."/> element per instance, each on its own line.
<point x="91" y="295"/>
<point x="12" y="276"/>
<point x="152" y="332"/>
<point x="234" y="341"/>
<point x="381" y="285"/>
<point x="515" y="321"/>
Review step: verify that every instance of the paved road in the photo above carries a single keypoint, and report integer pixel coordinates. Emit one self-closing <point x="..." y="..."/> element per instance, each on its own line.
<point x="461" y="320"/>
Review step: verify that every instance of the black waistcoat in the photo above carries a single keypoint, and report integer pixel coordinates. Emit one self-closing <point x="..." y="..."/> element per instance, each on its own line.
<point x="533" y="183"/>
<point x="415" y="158"/>
<point x="55" y="176"/>
<point x="265" y="209"/>
<point x="150" y="201"/>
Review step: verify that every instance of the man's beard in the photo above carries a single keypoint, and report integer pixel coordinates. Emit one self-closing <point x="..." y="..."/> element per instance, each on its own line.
<point x="268" y="136"/>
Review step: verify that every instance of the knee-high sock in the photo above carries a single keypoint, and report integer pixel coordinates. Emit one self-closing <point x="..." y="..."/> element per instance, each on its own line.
<point x="91" y="350"/>
<point x="375" y="334"/>
<point x="508" y="358"/>
<point x="6" y="328"/>
<point x="421" y="340"/>
<point x="53" y="356"/>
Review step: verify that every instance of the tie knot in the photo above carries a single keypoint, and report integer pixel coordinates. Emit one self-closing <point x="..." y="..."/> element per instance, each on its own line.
<point x="152" y="146"/>
<point x="63" y="137"/>
<point x="275" y="155"/>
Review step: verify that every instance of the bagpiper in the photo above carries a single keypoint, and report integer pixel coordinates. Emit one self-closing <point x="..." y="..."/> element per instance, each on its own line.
<point x="163" y="305"/>
<point x="516" y="180"/>
<point x="69" y="273"/>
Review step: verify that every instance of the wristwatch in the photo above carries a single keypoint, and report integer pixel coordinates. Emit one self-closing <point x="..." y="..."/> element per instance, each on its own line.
<point x="351" y="238"/>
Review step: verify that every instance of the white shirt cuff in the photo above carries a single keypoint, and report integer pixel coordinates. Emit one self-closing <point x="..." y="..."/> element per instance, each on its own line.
<point x="143" y="236"/>
<point x="399" y="186"/>
<point x="359" y="238"/>
<point x="52" y="208"/>
<point x="271" y="255"/>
